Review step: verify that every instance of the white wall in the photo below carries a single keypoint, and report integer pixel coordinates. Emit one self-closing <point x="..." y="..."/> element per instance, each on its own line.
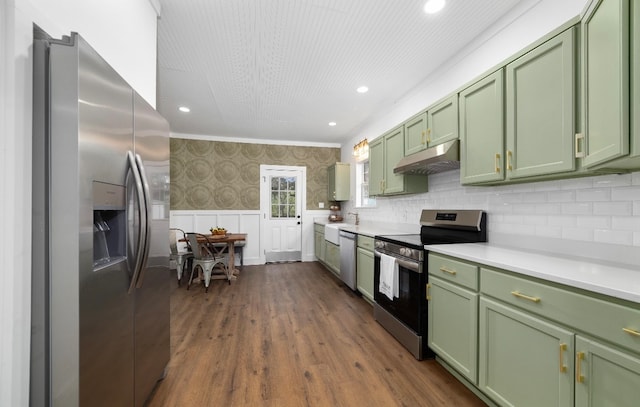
<point x="124" y="32"/>
<point x="594" y="216"/>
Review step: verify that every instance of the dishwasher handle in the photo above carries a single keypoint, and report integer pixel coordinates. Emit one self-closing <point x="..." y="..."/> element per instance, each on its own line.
<point x="348" y="235"/>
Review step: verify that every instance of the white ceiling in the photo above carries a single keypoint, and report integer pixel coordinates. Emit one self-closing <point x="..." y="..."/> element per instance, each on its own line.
<point x="284" y="69"/>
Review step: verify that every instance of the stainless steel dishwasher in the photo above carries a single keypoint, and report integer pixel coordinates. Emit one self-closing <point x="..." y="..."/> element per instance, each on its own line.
<point x="348" y="258"/>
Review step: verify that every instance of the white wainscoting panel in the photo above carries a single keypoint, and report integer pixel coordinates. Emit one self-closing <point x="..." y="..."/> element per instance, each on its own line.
<point x="243" y="222"/>
<point x="234" y="221"/>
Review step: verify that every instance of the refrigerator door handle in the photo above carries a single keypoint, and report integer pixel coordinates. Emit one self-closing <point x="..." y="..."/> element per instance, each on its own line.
<point x="143" y="221"/>
<point x="147" y="220"/>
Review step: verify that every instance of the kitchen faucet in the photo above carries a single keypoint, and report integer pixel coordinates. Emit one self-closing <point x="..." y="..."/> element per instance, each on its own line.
<point x="356" y="215"/>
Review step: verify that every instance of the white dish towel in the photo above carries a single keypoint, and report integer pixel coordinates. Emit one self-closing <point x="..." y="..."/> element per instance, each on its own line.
<point x="388" y="276"/>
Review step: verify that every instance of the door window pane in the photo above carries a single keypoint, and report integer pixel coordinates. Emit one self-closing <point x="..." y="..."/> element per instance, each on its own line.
<point x="283" y="197"/>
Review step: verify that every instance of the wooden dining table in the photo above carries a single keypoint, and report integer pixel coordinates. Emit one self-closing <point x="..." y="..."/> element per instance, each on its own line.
<point x="230" y="239"/>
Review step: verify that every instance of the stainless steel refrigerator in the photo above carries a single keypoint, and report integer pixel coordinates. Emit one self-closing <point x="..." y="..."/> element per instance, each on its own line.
<point x="100" y="266"/>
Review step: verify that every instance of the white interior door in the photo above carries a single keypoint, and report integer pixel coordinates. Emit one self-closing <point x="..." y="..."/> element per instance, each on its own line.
<point x="282" y="196"/>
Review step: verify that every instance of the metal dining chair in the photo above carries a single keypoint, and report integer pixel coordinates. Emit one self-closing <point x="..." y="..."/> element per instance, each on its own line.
<point x="181" y="257"/>
<point x="205" y="259"/>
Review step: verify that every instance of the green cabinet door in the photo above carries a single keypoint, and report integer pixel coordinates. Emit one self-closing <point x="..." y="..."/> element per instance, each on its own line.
<point x="453" y="326"/>
<point x="384" y="154"/>
<point x="415" y="134"/>
<point x="331" y="183"/>
<point x="332" y="257"/>
<point x="319" y="245"/>
<point x="540" y="94"/>
<point x="524" y="361"/>
<point x="376" y="166"/>
<point x="482" y="130"/>
<point x="605" y="376"/>
<point x="364" y="273"/>
<point x="442" y="119"/>
<point x="338" y="176"/>
<point x="394" y="152"/>
<point x="605" y="64"/>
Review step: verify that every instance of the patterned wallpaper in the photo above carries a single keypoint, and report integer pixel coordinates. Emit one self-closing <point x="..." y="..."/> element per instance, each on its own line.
<point x="217" y="175"/>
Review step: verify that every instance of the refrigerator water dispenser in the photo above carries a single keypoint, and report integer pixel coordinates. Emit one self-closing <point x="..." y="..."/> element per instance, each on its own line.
<point x="109" y="224"/>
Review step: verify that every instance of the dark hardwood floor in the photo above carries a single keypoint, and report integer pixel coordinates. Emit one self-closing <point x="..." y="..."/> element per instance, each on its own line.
<point x="292" y="335"/>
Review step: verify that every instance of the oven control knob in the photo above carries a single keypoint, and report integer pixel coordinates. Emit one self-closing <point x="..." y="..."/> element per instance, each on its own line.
<point x="404" y="251"/>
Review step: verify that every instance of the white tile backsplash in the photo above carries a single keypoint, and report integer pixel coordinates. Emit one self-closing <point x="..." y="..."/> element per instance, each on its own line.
<point x="619" y="237"/>
<point x="599" y="209"/>
<point x="593" y="195"/>
<point x="626" y="194"/>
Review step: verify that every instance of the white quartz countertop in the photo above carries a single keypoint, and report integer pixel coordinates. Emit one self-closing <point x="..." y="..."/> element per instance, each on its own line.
<point x="370" y="230"/>
<point x="620" y="281"/>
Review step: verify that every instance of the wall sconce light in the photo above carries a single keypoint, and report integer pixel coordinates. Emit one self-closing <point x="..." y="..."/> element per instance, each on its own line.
<point x="361" y="150"/>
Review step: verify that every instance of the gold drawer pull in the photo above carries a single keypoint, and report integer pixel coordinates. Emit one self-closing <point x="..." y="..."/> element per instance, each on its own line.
<point x="509" y="159"/>
<point x="498" y="163"/>
<point x="526" y="297"/>
<point x="446" y="270"/>
<point x="428" y="287"/>
<point x="579" y="376"/>
<point x="631" y="331"/>
<point x="563" y="367"/>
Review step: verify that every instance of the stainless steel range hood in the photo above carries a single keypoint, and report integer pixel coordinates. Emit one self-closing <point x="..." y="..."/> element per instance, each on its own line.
<point x="443" y="157"/>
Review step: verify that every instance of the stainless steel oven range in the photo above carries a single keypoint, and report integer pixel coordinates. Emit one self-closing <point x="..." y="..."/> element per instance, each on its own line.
<point x="403" y="310"/>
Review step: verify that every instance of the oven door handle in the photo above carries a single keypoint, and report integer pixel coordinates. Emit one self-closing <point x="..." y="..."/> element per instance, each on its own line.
<point x="410" y="265"/>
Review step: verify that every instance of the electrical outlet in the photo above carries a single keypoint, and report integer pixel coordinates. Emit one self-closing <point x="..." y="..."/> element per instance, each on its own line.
<point x="321" y="205"/>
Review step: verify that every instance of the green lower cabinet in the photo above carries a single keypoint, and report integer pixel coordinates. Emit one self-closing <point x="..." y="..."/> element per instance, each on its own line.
<point x="364" y="273"/>
<point x="605" y="376"/>
<point x="319" y="245"/>
<point x="453" y="326"/>
<point x="524" y="360"/>
<point x="332" y="257"/>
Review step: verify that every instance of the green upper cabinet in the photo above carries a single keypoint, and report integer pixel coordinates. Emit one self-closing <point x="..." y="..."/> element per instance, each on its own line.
<point x="605" y="64"/>
<point x="394" y="152"/>
<point x="534" y="113"/>
<point x="435" y="126"/>
<point x="540" y="96"/>
<point x="338" y="176"/>
<point x="376" y="166"/>
<point x="384" y="154"/>
<point x="482" y="130"/>
<point x="443" y="121"/>
<point x="415" y="134"/>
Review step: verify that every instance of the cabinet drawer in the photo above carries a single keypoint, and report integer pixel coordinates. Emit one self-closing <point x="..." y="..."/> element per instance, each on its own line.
<point x="365" y="242"/>
<point x="318" y="228"/>
<point x="609" y="320"/>
<point x="453" y="270"/>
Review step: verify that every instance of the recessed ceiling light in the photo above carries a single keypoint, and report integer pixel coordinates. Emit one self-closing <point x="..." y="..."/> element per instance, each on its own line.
<point x="332" y="123"/>
<point x="184" y="109"/>
<point x="362" y="89"/>
<point x="433" y="6"/>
